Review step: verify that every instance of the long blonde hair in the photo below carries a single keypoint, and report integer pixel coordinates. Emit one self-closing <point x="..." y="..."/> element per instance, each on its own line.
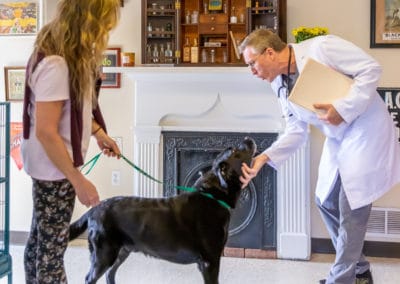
<point x="79" y="33"/>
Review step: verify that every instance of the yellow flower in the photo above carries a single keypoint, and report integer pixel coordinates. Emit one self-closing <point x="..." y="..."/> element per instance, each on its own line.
<point x="303" y="33"/>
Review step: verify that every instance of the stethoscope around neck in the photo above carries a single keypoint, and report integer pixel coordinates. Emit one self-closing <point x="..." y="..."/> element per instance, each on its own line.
<point x="287" y="79"/>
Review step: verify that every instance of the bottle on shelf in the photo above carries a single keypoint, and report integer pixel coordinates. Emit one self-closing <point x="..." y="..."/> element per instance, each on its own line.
<point x="204" y="56"/>
<point x="186" y="50"/>
<point x="225" y="9"/>
<point x="187" y="17"/>
<point x="194" y="52"/>
<point x="233" y="19"/>
<point x="212" y="56"/>
<point x="156" y="54"/>
<point x="168" y="54"/>
<point x="149" y="30"/>
<point x="205" y="11"/>
<point x="162" y="54"/>
<point x="148" y="54"/>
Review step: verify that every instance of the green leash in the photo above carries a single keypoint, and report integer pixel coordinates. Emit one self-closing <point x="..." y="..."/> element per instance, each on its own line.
<point x="92" y="162"/>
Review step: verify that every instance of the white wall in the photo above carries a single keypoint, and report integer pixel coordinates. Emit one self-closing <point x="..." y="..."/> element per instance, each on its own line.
<point x="349" y="19"/>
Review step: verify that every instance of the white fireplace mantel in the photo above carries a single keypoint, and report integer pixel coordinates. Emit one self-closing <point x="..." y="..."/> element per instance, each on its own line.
<point x="225" y="99"/>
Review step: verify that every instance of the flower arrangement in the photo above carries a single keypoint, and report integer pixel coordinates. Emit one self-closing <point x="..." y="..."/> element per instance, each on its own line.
<point x="303" y="33"/>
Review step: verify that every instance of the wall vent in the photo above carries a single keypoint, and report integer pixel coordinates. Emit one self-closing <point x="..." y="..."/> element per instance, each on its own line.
<point x="384" y="224"/>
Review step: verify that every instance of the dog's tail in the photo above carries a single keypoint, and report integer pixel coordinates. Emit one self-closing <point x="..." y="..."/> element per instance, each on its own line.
<point x="79" y="226"/>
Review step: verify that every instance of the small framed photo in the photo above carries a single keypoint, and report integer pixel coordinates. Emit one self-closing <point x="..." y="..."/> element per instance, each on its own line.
<point x="20" y="17"/>
<point x="112" y="58"/>
<point x="385" y="23"/>
<point x="15" y="82"/>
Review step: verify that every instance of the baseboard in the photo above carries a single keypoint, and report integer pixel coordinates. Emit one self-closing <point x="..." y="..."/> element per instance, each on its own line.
<point x="376" y="249"/>
<point x="371" y="248"/>
<point x="19" y="238"/>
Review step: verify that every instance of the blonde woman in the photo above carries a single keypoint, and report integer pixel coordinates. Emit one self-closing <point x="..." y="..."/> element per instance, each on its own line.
<point x="60" y="115"/>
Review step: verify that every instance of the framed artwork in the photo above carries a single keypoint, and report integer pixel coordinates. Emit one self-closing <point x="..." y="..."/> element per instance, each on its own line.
<point x="112" y="58"/>
<point x="391" y="96"/>
<point x="14" y="78"/>
<point x="385" y="23"/>
<point x="20" y="17"/>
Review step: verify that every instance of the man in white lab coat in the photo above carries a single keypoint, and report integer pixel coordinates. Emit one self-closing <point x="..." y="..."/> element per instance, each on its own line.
<point x="361" y="156"/>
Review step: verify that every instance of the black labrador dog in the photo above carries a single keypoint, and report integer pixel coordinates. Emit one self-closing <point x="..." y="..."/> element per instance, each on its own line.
<point x="187" y="228"/>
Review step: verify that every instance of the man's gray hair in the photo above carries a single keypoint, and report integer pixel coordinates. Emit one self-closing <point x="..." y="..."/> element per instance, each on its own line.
<point x="261" y="39"/>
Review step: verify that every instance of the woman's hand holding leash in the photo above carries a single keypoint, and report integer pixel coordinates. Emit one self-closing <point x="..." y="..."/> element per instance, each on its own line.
<point x="107" y="145"/>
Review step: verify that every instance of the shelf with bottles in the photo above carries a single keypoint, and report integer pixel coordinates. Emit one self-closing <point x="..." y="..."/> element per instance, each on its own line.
<point x="214" y="55"/>
<point x="264" y="7"/>
<point x="160" y="53"/>
<point x="160" y="29"/>
<point x="155" y="9"/>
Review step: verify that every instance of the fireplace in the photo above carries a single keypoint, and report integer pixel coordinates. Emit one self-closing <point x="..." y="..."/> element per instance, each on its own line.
<point x="218" y="100"/>
<point x="253" y="222"/>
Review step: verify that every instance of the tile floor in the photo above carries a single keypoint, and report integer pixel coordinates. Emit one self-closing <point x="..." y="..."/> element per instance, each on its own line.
<point x="140" y="269"/>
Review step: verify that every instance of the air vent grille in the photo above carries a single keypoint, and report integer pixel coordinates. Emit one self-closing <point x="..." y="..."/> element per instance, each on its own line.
<point x="384" y="223"/>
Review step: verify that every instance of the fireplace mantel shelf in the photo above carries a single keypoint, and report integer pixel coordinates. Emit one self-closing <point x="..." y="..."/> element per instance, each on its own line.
<point x="181" y="74"/>
<point x="172" y="69"/>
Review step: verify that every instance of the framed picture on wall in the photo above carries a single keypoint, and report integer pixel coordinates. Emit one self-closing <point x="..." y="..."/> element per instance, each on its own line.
<point x="20" y="17"/>
<point x="112" y="58"/>
<point x="14" y="77"/>
<point x="385" y="23"/>
<point x="391" y="96"/>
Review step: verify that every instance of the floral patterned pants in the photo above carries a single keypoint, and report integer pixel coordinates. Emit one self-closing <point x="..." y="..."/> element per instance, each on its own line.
<point x="53" y="203"/>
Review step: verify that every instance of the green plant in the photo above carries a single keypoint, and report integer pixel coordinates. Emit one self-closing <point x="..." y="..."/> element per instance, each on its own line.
<point x="303" y="33"/>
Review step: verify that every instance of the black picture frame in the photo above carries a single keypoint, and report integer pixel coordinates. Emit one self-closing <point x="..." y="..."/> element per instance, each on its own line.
<point x="112" y="58"/>
<point x="385" y="24"/>
<point x="391" y="96"/>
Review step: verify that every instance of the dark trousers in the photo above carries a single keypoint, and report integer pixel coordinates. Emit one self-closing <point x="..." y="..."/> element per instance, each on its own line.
<point x="53" y="203"/>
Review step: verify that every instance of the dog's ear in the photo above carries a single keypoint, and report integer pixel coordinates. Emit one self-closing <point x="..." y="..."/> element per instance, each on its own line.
<point x="221" y="174"/>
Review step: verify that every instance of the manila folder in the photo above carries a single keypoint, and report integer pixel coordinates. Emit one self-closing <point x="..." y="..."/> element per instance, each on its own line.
<point x="318" y="83"/>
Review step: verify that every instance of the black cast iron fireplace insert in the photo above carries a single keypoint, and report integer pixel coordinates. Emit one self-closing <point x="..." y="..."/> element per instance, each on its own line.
<point x="253" y="223"/>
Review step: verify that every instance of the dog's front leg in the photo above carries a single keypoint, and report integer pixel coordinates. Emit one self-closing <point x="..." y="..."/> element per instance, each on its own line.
<point x="210" y="271"/>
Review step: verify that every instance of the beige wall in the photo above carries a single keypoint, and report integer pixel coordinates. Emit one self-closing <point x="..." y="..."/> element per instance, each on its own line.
<point x="349" y="19"/>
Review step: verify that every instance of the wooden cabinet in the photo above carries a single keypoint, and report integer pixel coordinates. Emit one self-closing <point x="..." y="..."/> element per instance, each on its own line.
<point x="212" y="28"/>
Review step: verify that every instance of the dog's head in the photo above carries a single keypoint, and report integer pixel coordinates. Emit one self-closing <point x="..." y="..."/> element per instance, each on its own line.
<point x="222" y="181"/>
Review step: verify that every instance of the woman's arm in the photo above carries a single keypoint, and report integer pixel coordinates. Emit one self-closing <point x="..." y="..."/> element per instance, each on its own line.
<point x="48" y="115"/>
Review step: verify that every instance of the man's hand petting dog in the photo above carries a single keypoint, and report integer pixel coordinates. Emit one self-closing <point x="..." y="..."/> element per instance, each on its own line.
<point x="187" y="228"/>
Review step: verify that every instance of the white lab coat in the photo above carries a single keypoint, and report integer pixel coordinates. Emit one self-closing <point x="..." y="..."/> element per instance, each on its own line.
<point x="364" y="149"/>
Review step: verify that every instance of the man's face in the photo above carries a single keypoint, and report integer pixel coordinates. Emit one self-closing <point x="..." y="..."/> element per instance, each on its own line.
<point x="263" y="65"/>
